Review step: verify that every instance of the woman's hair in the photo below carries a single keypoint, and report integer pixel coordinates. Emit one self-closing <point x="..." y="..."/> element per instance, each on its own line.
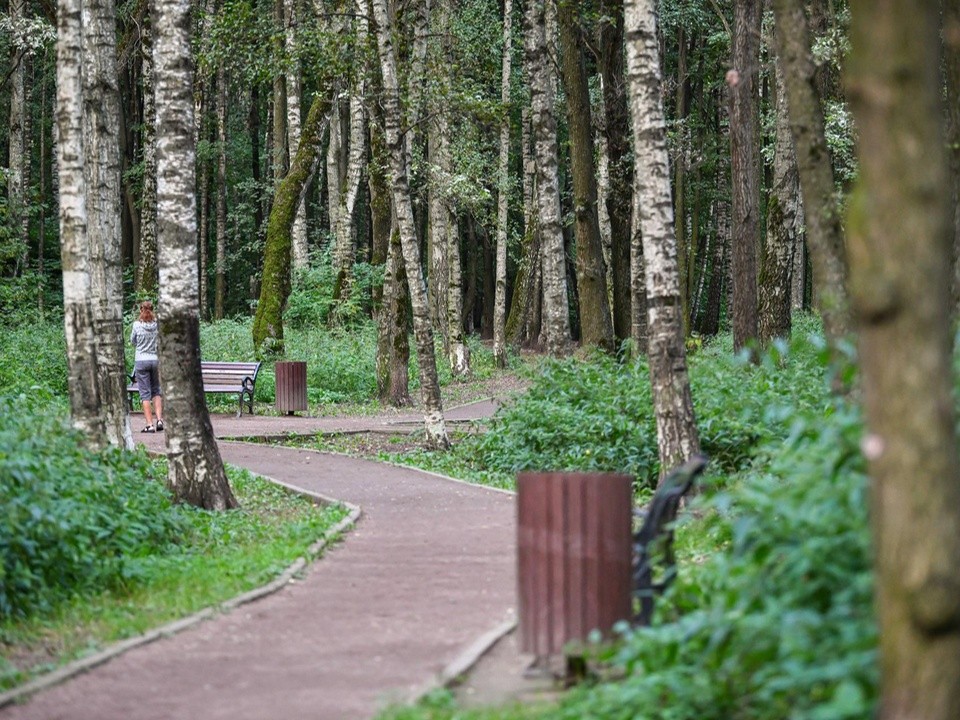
<point x="146" y="311"/>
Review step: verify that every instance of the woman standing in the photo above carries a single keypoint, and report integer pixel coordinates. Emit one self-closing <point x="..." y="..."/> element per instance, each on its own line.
<point x="146" y="368"/>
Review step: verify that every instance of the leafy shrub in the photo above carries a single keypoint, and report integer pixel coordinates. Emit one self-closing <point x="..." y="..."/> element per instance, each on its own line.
<point x="780" y="623"/>
<point x="69" y="518"/>
<point x="311" y="300"/>
<point x="34" y="355"/>
<point x="598" y="415"/>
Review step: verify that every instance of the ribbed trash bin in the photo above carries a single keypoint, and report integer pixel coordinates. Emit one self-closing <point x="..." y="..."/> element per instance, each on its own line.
<point x="291" y="386"/>
<point x="574" y="557"/>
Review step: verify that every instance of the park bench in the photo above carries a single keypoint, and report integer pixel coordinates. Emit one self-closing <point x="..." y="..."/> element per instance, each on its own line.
<point x="224" y="378"/>
<point x="653" y="542"/>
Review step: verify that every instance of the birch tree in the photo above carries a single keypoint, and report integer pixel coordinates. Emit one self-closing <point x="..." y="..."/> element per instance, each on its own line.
<point x="146" y="279"/>
<point x="195" y="470"/>
<point x="503" y="194"/>
<point x="423" y="332"/>
<point x="899" y="236"/>
<point x="677" y="437"/>
<point x="101" y="167"/>
<point x="293" y="94"/>
<point x="74" y="255"/>
<point x="18" y="130"/>
<point x="556" y="317"/>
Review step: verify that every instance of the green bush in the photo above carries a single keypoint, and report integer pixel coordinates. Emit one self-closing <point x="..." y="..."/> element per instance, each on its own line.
<point x="598" y="415"/>
<point x="780" y="623"/>
<point x="69" y="519"/>
<point x="34" y="355"/>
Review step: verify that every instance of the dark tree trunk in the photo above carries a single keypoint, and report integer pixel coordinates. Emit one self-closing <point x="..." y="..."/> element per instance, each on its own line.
<point x="596" y="328"/>
<point x="617" y="129"/>
<point x="745" y="167"/>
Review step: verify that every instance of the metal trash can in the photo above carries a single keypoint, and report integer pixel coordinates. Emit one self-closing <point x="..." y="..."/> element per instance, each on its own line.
<point x="291" y="386"/>
<point x="574" y="557"/>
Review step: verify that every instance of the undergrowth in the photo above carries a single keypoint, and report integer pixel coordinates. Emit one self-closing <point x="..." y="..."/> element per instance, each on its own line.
<point x="93" y="550"/>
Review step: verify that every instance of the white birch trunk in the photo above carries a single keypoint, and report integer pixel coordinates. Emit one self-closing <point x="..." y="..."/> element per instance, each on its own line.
<point x="299" y="254"/>
<point x="220" y="290"/>
<point x="503" y="196"/>
<point x="345" y="231"/>
<point x="17" y="128"/>
<point x="101" y="122"/>
<point x="78" y="321"/>
<point x="677" y="437"/>
<point x="195" y="469"/>
<point x="423" y="332"/>
<point x="439" y="155"/>
<point x="335" y="166"/>
<point x="146" y="281"/>
<point x="556" y="317"/>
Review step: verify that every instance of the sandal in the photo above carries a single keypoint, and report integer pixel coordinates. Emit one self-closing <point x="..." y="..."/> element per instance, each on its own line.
<point x="148" y="429"/>
<point x="159" y="425"/>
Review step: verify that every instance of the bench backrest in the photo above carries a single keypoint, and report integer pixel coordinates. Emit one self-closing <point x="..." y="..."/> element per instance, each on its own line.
<point x="653" y="542"/>
<point x="228" y="373"/>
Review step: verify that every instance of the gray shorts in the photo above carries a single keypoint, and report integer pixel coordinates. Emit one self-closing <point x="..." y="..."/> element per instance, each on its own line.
<point x="148" y="379"/>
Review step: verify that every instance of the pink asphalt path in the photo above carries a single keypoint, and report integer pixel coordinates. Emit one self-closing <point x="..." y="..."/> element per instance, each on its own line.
<point x="429" y="568"/>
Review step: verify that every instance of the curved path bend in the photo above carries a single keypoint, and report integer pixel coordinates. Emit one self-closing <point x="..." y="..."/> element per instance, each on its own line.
<point x="428" y="569"/>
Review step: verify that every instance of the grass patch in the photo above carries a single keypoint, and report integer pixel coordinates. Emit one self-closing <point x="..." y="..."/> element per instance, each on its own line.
<point x="218" y="556"/>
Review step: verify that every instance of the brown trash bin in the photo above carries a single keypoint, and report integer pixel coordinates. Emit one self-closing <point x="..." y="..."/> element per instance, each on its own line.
<point x="291" y="386"/>
<point x="574" y="557"/>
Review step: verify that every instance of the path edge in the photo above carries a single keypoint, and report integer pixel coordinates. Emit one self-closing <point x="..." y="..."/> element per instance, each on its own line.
<point x="464" y="662"/>
<point x="77" y="667"/>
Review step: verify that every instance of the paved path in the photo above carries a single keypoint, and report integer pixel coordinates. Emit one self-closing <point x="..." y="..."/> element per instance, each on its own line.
<point x="428" y="569"/>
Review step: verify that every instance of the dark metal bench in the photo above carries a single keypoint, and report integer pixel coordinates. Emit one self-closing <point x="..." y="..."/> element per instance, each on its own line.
<point x="222" y="377"/>
<point x="653" y="542"/>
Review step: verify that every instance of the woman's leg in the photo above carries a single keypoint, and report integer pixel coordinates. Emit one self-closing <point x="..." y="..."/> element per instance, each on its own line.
<point x="147" y="414"/>
<point x="158" y="409"/>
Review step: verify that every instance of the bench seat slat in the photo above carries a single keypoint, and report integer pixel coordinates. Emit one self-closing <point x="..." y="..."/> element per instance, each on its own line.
<point x="223" y="377"/>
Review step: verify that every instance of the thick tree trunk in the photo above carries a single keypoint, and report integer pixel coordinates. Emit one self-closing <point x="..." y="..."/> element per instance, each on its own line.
<point x="101" y="149"/>
<point x="146" y="278"/>
<point x="743" y="80"/>
<point x="556" y="315"/>
<point x="684" y="261"/>
<point x="899" y="235"/>
<point x="782" y="226"/>
<point x="195" y="469"/>
<point x="824" y="233"/>
<point x="74" y="254"/>
<point x="423" y="331"/>
<point x="617" y="129"/>
<point x="275" y="288"/>
<point x="596" y="326"/>
<point x="503" y="195"/>
<point x="677" y="437"/>
<point x="438" y="141"/>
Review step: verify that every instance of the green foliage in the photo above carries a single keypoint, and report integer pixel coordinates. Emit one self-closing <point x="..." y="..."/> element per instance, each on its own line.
<point x="71" y="520"/>
<point x="33" y="358"/>
<point x="311" y="300"/>
<point x="598" y="415"/>
<point x="340" y="365"/>
<point x="780" y="623"/>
